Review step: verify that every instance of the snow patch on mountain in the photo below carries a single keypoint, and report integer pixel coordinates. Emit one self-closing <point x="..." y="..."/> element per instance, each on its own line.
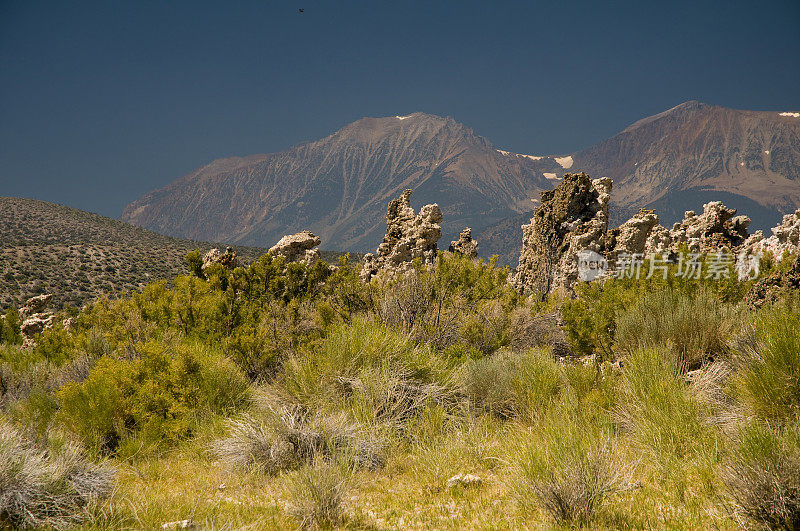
<point x="565" y="162"/>
<point x="551" y="176"/>
<point x="792" y="114"/>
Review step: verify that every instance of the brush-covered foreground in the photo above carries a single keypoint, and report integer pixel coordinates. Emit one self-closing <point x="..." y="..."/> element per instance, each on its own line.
<point x="280" y="396"/>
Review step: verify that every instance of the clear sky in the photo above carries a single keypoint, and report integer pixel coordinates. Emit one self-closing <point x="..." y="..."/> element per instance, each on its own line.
<point x="101" y="102"/>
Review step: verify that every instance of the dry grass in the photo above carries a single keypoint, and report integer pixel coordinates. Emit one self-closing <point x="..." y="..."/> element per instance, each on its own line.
<point x="41" y="488"/>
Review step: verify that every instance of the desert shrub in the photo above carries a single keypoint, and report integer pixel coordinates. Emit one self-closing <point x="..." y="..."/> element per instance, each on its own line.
<point x="570" y="468"/>
<point x="768" y="379"/>
<point x="511" y="384"/>
<point x="317" y="493"/>
<point x="46" y="488"/>
<point x="696" y="327"/>
<point x="432" y="304"/>
<point x="657" y="408"/>
<point x="287" y="437"/>
<point x="763" y="476"/>
<point x="155" y="399"/>
<point x="9" y="327"/>
<point x="590" y="317"/>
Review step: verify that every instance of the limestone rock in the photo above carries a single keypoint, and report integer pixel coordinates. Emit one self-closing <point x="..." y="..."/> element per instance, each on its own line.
<point x="298" y="247"/>
<point x="35" y="305"/>
<point x="572" y="217"/>
<point x="36" y="318"/>
<point x="632" y="236"/>
<point x="465" y="245"/>
<point x="408" y="236"/>
<point x="785" y="238"/>
<point x="718" y="226"/>
<point x="227" y="259"/>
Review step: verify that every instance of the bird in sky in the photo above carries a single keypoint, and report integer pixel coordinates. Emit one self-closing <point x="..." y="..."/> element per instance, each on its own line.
<point x="301" y="9"/>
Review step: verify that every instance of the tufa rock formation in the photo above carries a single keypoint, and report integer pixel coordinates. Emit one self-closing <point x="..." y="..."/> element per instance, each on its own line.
<point x="571" y="218"/>
<point x="36" y="317"/>
<point x="465" y="245"/>
<point x="227" y="259"/>
<point x="408" y="236"/>
<point x="574" y="217"/>
<point x="631" y="237"/>
<point x="785" y="238"/>
<point x="298" y="247"/>
<point x="717" y="227"/>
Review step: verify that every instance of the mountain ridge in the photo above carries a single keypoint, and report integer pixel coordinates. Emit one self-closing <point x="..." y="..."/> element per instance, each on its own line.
<point x="338" y="186"/>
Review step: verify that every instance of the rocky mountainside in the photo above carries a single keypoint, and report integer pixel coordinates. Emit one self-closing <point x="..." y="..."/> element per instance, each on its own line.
<point x="338" y="187"/>
<point x="751" y="156"/>
<point x="78" y="256"/>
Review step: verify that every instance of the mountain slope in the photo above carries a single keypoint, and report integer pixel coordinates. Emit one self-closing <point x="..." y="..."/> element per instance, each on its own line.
<point x="701" y="148"/>
<point x="339" y="186"/>
<point x="78" y="256"/>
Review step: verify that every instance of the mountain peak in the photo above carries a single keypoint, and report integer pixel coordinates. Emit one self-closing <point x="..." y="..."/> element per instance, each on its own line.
<point x="680" y="111"/>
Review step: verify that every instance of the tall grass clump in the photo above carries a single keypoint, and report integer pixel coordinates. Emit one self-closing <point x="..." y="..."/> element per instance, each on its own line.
<point x="696" y="326"/>
<point x="317" y="493"/>
<point x="512" y="384"/>
<point x="568" y="468"/>
<point x="46" y="488"/>
<point x="763" y="476"/>
<point x="768" y="379"/>
<point x="289" y="437"/>
<point x="657" y="407"/>
<point x="371" y="370"/>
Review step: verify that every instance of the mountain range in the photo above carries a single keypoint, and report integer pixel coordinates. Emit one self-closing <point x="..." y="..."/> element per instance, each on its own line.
<point x="339" y="186"/>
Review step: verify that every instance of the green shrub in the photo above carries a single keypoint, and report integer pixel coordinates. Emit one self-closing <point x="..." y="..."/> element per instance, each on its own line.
<point x="768" y="380"/>
<point x="46" y="489"/>
<point x="763" y="476"/>
<point x="155" y="399"/>
<point x="696" y="327"/>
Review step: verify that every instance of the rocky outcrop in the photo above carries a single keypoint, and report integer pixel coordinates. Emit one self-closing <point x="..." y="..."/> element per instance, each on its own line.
<point x="36" y="317"/>
<point x="465" y="245"/>
<point x="34" y="305"/>
<point x="718" y="226"/>
<point x="785" y="238"/>
<point x="409" y="236"/>
<point x="571" y="218"/>
<point x="631" y="237"/>
<point x="298" y="247"/>
<point x="228" y="259"/>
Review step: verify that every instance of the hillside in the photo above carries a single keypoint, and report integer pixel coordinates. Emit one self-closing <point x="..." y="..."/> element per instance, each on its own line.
<point x="338" y="187"/>
<point x="77" y="255"/>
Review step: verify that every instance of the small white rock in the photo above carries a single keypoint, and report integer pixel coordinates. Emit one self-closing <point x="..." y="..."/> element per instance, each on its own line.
<point x="464" y="480"/>
<point x="179" y="524"/>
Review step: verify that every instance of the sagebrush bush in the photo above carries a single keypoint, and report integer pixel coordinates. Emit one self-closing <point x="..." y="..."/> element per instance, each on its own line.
<point x="511" y="384"/>
<point x="768" y="376"/>
<point x="317" y="493"/>
<point x="287" y="437"/>
<point x="570" y="468"/>
<point x="46" y="488"/>
<point x="697" y="327"/>
<point x="763" y="476"/>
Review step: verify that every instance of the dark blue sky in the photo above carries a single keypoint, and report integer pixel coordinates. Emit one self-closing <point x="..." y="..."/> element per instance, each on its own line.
<point x="102" y="102"/>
